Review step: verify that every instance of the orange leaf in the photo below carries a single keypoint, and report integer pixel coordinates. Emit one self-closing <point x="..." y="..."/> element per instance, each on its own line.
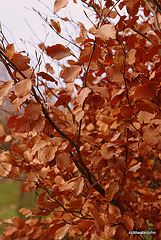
<point x="79" y="184"/>
<point x="129" y="223"/>
<point x="114" y="75"/>
<point x="126" y="111"/>
<point x="47" y="153"/>
<point x="111" y="190"/>
<point x="9" y="230"/>
<point x="56" y="25"/>
<point x="63" y="161"/>
<point x="119" y="59"/>
<point x="47" y="77"/>
<point x="70" y="73"/>
<point x="49" y="68"/>
<point x="58" y="231"/>
<point x="135" y="167"/>
<point x="97" y="217"/>
<point x="132" y="7"/>
<point x="130" y="57"/>
<point x="33" y="110"/>
<point x="58" y="51"/>
<point x="9" y="51"/>
<point x="85" y="53"/>
<point x="25" y="211"/>
<point x="23" y="124"/>
<point x="85" y="225"/>
<point x="146" y="91"/>
<point x="146" y="106"/>
<point x="132" y="22"/>
<point x="106" y="151"/>
<point x="59" y="4"/>
<point x="106" y="32"/>
<point x="19" y="101"/>
<point x="20" y="61"/>
<point x="82" y="95"/>
<point x="23" y="88"/>
<point x="45" y="208"/>
<point x="4" y="89"/>
<point x="5" y="169"/>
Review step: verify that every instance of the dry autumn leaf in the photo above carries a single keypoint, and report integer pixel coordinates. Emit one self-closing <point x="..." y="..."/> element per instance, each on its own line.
<point x="58" y="51"/>
<point x="82" y="95"/>
<point x="59" y="4"/>
<point x="133" y="7"/>
<point x="70" y="73"/>
<point x="111" y="191"/>
<point x="23" y="88"/>
<point x="4" y="89"/>
<point x="10" y="50"/>
<point x="20" y="61"/>
<point x="5" y="169"/>
<point x="56" y="26"/>
<point x="106" y="32"/>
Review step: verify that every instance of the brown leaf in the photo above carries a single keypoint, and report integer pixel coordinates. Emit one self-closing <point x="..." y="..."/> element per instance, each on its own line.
<point x="126" y="111"/>
<point x="135" y="167"/>
<point x="49" y="68"/>
<point x="58" y="51"/>
<point x="97" y="217"/>
<point x="33" y="110"/>
<point x="45" y="208"/>
<point x="79" y="184"/>
<point x="47" y="153"/>
<point x="23" y="124"/>
<point x="129" y="223"/>
<point x="19" y="101"/>
<point x="111" y="190"/>
<point x="146" y="106"/>
<point x="20" y="61"/>
<point x="4" y="89"/>
<point x="56" y="25"/>
<point x="47" y="77"/>
<point x="130" y="57"/>
<point x="23" y="88"/>
<point x="82" y="95"/>
<point x="9" y="51"/>
<point x="25" y="211"/>
<point x="106" y="32"/>
<point x="146" y="91"/>
<point x="119" y="59"/>
<point x="85" y="225"/>
<point x="9" y="230"/>
<point x="114" y="75"/>
<point x="59" y="4"/>
<point x="63" y="161"/>
<point x="132" y="7"/>
<point x="106" y="151"/>
<point x="70" y="73"/>
<point x="5" y="169"/>
<point x="85" y="53"/>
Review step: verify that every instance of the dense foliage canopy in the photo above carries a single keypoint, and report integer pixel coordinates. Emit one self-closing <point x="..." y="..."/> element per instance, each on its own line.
<point x="88" y="138"/>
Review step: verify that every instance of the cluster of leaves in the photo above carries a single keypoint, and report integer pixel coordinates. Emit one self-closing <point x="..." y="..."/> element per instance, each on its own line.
<point x="95" y="151"/>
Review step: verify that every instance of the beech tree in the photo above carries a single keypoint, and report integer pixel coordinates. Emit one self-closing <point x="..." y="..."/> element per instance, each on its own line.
<point x="90" y="150"/>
